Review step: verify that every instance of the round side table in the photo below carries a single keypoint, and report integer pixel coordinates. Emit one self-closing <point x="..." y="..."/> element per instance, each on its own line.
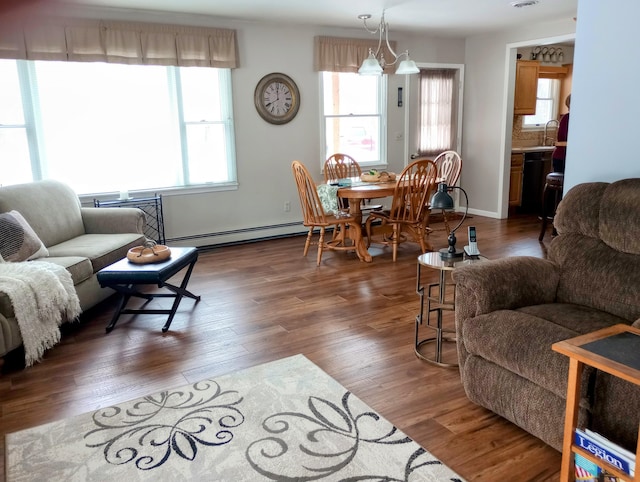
<point x="440" y="297"/>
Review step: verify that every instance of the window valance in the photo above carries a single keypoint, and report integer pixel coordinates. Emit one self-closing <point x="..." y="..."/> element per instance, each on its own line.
<point x="83" y="40"/>
<point x="334" y="54"/>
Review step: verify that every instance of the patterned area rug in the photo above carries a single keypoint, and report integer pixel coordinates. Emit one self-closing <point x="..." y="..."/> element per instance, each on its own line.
<point x="285" y="420"/>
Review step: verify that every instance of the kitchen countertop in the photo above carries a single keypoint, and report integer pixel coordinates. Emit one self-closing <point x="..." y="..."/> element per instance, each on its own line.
<point x="525" y="149"/>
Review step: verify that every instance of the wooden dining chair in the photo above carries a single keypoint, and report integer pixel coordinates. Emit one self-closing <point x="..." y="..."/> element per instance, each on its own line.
<point x="407" y="216"/>
<point x="341" y="166"/>
<point x="315" y="216"/>
<point x="449" y="165"/>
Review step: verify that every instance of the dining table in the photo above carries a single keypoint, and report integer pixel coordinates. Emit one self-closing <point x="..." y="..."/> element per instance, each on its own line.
<point x="356" y="191"/>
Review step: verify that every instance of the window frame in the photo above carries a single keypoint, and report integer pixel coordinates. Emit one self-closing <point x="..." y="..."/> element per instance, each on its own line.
<point x="555" y="108"/>
<point x="33" y="131"/>
<point x="381" y="105"/>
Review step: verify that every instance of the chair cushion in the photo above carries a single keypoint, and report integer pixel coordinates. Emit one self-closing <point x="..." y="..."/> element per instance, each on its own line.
<point x="520" y="340"/>
<point x="18" y="241"/>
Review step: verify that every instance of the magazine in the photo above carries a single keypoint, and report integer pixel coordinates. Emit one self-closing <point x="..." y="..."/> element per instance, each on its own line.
<point x="604" y="449"/>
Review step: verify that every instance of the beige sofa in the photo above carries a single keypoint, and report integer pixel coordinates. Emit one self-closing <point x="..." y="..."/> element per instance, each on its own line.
<point x="83" y="240"/>
<point x="510" y="311"/>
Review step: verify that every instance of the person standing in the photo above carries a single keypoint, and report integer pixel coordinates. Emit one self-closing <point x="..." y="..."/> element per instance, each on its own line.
<point x="560" y="152"/>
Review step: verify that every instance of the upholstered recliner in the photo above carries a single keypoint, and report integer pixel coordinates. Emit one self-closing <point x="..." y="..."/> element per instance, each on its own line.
<point x="510" y="311"/>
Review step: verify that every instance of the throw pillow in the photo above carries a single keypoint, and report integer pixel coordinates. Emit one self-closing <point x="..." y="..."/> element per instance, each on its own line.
<point x="328" y="197"/>
<point x="18" y="240"/>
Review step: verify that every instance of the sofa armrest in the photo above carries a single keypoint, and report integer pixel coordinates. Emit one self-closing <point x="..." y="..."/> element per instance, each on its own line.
<point x="504" y="284"/>
<point x="113" y="220"/>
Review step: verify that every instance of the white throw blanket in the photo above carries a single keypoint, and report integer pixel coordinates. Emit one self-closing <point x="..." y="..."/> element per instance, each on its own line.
<point x="43" y="296"/>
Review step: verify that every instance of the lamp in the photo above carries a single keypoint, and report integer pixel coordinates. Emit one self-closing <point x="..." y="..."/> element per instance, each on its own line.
<point x="375" y="63"/>
<point x="442" y="200"/>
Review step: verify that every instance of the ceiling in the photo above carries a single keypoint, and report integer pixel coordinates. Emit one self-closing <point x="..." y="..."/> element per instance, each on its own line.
<point x="447" y="18"/>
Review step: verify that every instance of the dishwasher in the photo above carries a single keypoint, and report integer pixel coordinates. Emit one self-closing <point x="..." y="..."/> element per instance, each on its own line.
<point x="536" y="167"/>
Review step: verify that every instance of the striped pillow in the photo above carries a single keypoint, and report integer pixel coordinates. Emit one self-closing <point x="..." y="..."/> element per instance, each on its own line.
<point x="18" y="241"/>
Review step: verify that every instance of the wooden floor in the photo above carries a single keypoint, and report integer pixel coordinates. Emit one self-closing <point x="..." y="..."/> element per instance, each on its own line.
<point x="264" y="301"/>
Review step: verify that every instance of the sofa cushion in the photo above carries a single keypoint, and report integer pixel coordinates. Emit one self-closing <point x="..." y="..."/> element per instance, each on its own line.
<point x="520" y="340"/>
<point x="18" y="241"/>
<point x="595" y="275"/>
<point x="50" y="207"/>
<point x="101" y="249"/>
<point x="620" y="217"/>
<point x="79" y="267"/>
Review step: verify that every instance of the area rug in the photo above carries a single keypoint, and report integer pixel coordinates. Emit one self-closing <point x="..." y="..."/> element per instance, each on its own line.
<point x="284" y="420"/>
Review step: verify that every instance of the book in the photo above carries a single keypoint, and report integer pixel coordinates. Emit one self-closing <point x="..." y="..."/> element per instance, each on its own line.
<point x="587" y="471"/>
<point x="606" y="450"/>
<point x="622" y="452"/>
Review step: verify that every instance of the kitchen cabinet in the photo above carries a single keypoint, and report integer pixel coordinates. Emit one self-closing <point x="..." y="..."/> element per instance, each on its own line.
<point x="526" y="91"/>
<point x="515" y="183"/>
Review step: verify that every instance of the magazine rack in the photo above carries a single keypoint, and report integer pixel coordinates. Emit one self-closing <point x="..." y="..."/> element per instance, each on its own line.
<point x="591" y="350"/>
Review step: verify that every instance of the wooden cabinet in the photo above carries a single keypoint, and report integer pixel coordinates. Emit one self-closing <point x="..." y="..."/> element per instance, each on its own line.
<point x="527" y="72"/>
<point x="515" y="183"/>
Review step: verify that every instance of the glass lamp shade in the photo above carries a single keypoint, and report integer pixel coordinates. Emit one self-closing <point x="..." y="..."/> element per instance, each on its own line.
<point x="441" y="199"/>
<point x="370" y="66"/>
<point x="407" y="67"/>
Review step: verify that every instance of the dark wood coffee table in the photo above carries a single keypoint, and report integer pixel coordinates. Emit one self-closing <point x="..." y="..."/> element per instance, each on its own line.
<point x="123" y="276"/>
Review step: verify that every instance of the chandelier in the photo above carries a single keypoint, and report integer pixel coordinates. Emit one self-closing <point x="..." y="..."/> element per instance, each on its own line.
<point x="375" y="63"/>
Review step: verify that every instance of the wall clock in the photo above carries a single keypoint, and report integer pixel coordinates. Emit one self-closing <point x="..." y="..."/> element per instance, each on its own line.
<point x="277" y="98"/>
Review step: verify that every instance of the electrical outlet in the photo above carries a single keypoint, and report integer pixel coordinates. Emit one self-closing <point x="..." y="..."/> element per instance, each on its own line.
<point x="287" y="206"/>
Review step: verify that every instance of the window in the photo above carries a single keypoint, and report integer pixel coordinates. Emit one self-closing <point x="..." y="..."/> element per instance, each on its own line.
<point x="106" y="127"/>
<point x="546" y="104"/>
<point x="354" y="109"/>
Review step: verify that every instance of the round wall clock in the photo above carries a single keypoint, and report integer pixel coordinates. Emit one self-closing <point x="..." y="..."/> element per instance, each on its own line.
<point x="277" y="98"/>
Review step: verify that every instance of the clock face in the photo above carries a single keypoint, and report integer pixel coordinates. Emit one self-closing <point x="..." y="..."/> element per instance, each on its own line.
<point x="277" y="98"/>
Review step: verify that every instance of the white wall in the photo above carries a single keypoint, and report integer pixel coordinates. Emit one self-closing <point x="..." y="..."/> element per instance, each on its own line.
<point x="488" y="112"/>
<point x="605" y="104"/>
<point x="265" y="151"/>
<point x="599" y="148"/>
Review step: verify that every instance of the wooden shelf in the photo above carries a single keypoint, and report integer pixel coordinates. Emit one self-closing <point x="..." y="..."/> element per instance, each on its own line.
<point x="578" y="358"/>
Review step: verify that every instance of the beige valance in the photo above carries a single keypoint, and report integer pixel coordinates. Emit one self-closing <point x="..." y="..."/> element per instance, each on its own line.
<point x="83" y="40"/>
<point x="334" y="54"/>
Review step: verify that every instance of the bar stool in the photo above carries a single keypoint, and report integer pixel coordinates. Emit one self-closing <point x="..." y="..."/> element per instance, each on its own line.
<point x="551" y="197"/>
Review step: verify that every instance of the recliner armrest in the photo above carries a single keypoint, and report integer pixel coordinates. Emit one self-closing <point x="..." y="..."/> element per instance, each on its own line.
<point x="504" y="284"/>
<point x="113" y="220"/>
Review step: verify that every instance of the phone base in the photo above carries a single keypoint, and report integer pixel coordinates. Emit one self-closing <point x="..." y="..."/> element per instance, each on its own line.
<point x="469" y="252"/>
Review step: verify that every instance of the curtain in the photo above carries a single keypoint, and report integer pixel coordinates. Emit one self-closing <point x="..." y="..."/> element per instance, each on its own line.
<point x="119" y="42"/>
<point x="438" y="111"/>
<point x="334" y="54"/>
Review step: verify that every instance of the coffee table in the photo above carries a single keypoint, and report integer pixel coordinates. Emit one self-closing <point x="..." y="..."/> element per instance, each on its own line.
<point x="123" y="276"/>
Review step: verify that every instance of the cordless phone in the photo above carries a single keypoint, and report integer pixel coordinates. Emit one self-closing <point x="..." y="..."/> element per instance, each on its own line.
<point x="472" y="248"/>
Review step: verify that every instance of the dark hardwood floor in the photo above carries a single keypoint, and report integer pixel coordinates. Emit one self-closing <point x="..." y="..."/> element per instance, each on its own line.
<point x="264" y="301"/>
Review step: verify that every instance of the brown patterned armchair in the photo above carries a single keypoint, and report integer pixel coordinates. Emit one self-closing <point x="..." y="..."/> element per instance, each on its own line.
<point x="510" y="311"/>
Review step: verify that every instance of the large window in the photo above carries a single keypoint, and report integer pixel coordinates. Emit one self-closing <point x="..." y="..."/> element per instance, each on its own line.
<point x="106" y="127"/>
<point x="354" y="108"/>
<point x="546" y="104"/>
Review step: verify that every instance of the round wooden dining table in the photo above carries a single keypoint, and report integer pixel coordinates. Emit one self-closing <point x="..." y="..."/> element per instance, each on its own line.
<point x="355" y="193"/>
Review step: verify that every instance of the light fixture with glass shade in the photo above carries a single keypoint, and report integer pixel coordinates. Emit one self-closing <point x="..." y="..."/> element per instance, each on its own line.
<point x="375" y="63"/>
